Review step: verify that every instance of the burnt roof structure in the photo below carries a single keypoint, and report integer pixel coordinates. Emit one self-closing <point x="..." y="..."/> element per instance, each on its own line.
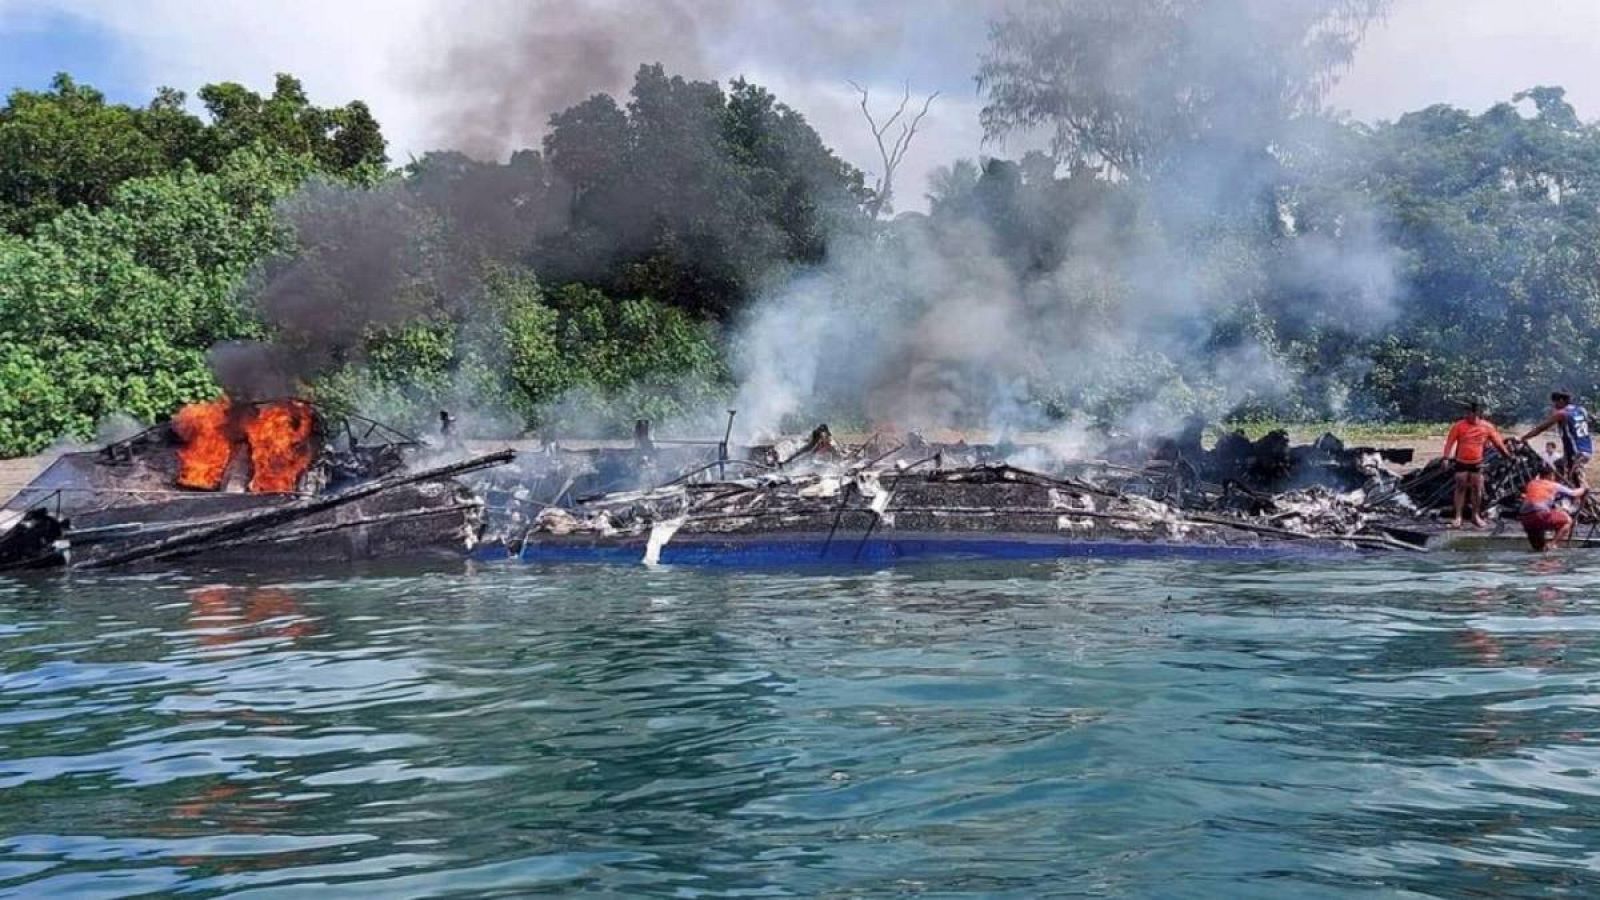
<point x="352" y="492"/>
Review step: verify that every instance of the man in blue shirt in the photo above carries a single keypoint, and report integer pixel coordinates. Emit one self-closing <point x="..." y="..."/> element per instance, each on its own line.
<point x="1576" y="444"/>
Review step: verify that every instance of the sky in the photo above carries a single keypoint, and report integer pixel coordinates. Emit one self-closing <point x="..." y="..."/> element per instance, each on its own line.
<point x="422" y="64"/>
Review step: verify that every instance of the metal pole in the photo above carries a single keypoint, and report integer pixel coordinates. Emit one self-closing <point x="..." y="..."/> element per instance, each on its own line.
<point x="871" y="527"/>
<point x="844" y="499"/>
<point x="722" y="448"/>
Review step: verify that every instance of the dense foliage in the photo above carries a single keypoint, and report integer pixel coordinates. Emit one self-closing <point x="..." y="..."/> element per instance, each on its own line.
<point x="580" y="285"/>
<point x="1498" y="218"/>
<point x="1394" y="270"/>
<point x="112" y="310"/>
<point x="691" y="195"/>
<point x="67" y="147"/>
<point x="1204" y="245"/>
<point x="1264" y="254"/>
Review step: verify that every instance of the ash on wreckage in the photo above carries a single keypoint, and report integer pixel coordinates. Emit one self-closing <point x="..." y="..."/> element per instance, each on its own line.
<point x="226" y="480"/>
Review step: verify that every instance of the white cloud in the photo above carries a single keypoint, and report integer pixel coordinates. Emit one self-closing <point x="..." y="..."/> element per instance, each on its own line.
<point x="1472" y="54"/>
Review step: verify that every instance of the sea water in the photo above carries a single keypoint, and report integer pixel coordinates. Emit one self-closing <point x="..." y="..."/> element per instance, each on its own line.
<point x="1369" y="726"/>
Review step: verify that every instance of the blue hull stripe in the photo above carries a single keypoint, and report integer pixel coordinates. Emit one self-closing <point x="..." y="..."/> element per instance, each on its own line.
<point x="746" y="554"/>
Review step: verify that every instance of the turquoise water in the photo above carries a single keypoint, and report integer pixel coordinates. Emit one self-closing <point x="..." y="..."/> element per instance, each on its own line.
<point x="1170" y="729"/>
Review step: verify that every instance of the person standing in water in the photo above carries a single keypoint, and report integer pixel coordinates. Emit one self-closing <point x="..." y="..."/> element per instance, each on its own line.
<point x="1463" y="446"/>
<point x="1577" y="446"/>
<point x="1541" y="515"/>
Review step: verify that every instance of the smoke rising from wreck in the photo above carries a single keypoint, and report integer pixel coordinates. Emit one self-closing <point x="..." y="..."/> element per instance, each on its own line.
<point x="506" y="67"/>
<point x="1142" y="311"/>
<point x="499" y="69"/>
<point x="1154" y="305"/>
<point x="931" y="325"/>
<point x="361" y="261"/>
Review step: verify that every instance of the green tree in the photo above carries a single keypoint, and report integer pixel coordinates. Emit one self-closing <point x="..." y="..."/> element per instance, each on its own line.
<point x="493" y="212"/>
<point x="1499" y="216"/>
<point x="67" y="147"/>
<point x="342" y="139"/>
<point x="113" y="310"/>
<point x="1136" y="84"/>
<point x="588" y="143"/>
<point x="692" y="196"/>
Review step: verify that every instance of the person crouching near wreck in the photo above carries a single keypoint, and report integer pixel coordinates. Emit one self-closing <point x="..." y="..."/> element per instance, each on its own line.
<point x="1463" y="446"/>
<point x="1577" y="445"/>
<point x="1541" y="514"/>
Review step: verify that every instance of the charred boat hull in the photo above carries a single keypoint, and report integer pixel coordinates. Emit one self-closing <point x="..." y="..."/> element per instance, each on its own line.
<point x="401" y="514"/>
<point x="32" y="540"/>
<point x="260" y="481"/>
<point x="437" y="518"/>
<point x="984" y="512"/>
<point x="816" y="548"/>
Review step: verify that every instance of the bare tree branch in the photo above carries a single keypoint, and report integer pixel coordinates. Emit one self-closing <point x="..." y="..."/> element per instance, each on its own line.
<point x="892" y="152"/>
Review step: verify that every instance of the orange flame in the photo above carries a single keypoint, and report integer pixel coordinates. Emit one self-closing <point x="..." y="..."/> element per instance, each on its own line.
<point x="203" y="458"/>
<point x="280" y="445"/>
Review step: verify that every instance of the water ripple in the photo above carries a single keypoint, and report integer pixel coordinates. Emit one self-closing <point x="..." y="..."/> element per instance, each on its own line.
<point x="1171" y="728"/>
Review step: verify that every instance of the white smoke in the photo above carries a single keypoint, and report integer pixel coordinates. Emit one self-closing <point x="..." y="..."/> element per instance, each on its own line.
<point x="929" y="324"/>
<point x="1137" y="300"/>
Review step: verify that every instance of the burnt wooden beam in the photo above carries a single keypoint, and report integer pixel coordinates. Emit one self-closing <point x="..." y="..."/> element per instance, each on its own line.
<point x="197" y="539"/>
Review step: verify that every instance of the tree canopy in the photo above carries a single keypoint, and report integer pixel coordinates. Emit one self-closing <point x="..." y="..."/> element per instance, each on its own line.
<point x="692" y="195"/>
<point x="1173" y="247"/>
<point x="68" y="147"/>
<point x="1404" y="267"/>
<point x="141" y="238"/>
<point x="1136" y="84"/>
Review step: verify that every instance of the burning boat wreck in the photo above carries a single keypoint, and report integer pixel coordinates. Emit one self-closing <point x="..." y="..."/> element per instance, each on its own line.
<point x="870" y="515"/>
<point x="245" y="480"/>
<point x="916" y="500"/>
<point x="229" y="481"/>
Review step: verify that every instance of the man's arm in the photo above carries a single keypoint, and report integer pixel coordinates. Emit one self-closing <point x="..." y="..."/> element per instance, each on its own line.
<point x="1548" y="423"/>
<point x="1450" y="441"/>
<point x="1499" y="442"/>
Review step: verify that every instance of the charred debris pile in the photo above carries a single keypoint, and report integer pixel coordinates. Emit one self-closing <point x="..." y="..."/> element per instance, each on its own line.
<point x="285" y="479"/>
<point x="879" y="497"/>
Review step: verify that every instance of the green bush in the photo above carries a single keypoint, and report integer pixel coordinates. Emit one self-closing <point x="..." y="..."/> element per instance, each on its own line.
<point x="112" y="310"/>
<point x="524" y="359"/>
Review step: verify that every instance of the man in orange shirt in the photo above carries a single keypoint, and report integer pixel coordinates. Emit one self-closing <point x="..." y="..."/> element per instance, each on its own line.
<point x="1547" y="524"/>
<point x="1463" y="446"/>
